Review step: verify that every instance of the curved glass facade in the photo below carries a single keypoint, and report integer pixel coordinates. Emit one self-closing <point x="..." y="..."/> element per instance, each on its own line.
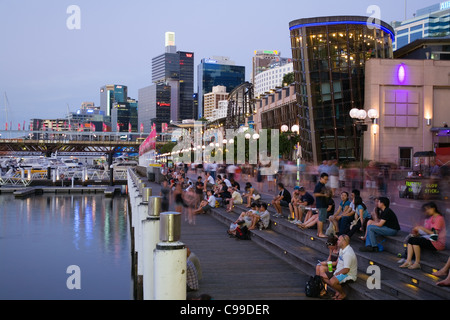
<point x="329" y="56"/>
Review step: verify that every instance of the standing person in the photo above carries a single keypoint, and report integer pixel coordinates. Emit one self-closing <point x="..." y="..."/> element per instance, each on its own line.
<point x="213" y="170"/>
<point x="387" y="226"/>
<point x="431" y="236"/>
<point x="370" y="176"/>
<point x="165" y="192"/>
<point x="322" y="194"/>
<point x="333" y="172"/>
<point x="178" y="194"/>
<point x="259" y="177"/>
<point x="346" y="268"/>
<point x="342" y="178"/>
<point x="190" y="201"/>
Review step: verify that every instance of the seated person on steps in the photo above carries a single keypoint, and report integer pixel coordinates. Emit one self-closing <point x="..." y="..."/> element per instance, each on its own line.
<point x="281" y="200"/>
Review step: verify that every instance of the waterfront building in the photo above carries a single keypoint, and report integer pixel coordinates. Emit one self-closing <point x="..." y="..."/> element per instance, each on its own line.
<point x="277" y="108"/>
<point x="329" y="56"/>
<point x="432" y="21"/>
<point x="217" y="71"/>
<point x="411" y="96"/>
<point x="87" y="118"/>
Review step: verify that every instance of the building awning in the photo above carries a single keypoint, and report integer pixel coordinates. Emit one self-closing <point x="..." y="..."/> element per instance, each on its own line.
<point x="441" y="132"/>
<point x="424" y="154"/>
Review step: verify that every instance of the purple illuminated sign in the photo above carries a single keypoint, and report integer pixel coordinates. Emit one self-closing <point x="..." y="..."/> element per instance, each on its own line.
<point x="401" y="73"/>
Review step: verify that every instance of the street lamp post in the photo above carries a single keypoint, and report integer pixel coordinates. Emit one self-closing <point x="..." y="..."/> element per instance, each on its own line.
<point x="359" y="122"/>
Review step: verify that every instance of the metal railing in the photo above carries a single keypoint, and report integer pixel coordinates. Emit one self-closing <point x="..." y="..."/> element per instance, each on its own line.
<point x="25" y="178"/>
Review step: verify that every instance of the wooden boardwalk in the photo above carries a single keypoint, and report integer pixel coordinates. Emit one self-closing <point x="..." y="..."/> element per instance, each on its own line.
<point x="236" y="269"/>
<point x="239" y="270"/>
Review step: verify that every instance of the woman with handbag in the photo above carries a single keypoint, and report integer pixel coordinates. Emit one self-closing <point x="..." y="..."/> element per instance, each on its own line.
<point x="430" y="236"/>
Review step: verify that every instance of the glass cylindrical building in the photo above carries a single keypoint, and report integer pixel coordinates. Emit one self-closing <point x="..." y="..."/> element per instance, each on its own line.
<point x="329" y="55"/>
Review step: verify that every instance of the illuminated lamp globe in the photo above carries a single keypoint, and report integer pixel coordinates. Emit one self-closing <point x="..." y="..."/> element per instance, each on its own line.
<point x="354" y="113"/>
<point x="362" y="114"/>
<point x="295" y="128"/>
<point x="373" y="114"/>
<point x="255" y="136"/>
<point x="248" y="136"/>
<point x="284" y="128"/>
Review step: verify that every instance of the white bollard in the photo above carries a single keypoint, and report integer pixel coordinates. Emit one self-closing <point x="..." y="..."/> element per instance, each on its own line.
<point x="150" y="239"/>
<point x="142" y="214"/>
<point x="170" y="260"/>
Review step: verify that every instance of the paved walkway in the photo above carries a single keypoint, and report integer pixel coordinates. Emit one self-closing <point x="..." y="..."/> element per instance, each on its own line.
<point x="235" y="269"/>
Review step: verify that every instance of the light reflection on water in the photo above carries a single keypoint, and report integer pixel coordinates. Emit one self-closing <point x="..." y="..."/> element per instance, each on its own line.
<point x="41" y="236"/>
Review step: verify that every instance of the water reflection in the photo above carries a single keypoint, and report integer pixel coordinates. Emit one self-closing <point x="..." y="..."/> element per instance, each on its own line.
<point x="42" y="235"/>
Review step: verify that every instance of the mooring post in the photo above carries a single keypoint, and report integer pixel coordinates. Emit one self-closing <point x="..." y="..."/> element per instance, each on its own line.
<point x="170" y="260"/>
<point x="150" y="239"/>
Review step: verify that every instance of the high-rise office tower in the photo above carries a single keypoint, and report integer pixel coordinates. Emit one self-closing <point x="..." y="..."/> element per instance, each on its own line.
<point x="211" y="101"/>
<point x="176" y="69"/>
<point x="154" y="106"/>
<point x="261" y="61"/>
<point x="432" y="21"/>
<point x="111" y="94"/>
<point x="217" y="71"/>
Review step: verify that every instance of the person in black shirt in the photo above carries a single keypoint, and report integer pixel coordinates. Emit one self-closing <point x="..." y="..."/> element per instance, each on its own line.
<point x="199" y="187"/>
<point x="281" y="200"/>
<point x="386" y="226"/>
<point x="322" y="193"/>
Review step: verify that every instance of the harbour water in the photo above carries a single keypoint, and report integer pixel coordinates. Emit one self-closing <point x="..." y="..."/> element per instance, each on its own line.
<point x="42" y="236"/>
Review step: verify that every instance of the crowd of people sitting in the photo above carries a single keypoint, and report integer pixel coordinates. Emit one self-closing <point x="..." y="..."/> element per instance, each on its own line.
<point x="332" y="210"/>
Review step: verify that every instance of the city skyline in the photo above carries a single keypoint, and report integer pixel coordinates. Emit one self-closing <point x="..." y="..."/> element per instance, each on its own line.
<point x="47" y="69"/>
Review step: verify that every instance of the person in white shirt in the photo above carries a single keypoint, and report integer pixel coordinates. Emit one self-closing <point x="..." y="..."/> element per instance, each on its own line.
<point x="209" y="181"/>
<point x="346" y="268"/>
<point x="208" y="204"/>
<point x="264" y="220"/>
<point x="227" y="182"/>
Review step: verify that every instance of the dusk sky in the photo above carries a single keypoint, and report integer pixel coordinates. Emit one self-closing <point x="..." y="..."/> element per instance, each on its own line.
<point x="46" y="69"/>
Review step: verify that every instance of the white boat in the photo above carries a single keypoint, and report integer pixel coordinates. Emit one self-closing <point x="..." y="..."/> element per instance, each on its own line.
<point x="70" y="163"/>
<point x="124" y="165"/>
<point x="32" y="163"/>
